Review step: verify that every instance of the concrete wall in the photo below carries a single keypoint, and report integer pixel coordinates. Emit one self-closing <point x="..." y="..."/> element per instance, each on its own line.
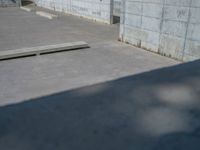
<point x="9" y="3"/>
<point x="99" y="10"/>
<point x="168" y="27"/>
<point x="117" y="8"/>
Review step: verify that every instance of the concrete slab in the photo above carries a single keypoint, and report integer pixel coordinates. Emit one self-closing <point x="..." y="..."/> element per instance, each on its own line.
<point x="42" y="50"/>
<point x="26" y="9"/>
<point x="46" y="15"/>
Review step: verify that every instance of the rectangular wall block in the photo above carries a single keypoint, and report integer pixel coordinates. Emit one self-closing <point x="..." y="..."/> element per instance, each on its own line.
<point x="117" y="8"/>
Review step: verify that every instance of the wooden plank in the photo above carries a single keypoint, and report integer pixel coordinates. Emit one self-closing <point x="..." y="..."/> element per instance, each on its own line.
<point x="7" y="54"/>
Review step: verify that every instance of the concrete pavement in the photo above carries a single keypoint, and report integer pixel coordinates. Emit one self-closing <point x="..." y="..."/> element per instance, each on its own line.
<point x="109" y="97"/>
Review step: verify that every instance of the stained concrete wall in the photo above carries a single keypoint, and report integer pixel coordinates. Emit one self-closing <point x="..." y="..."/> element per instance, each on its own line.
<point x="9" y="3"/>
<point x="168" y="27"/>
<point x="99" y="10"/>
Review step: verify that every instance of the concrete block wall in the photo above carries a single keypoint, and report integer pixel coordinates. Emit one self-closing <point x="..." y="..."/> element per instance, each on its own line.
<point x="168" y="27"/>
<point x="117" y="8"/>
<point x="9" y="3"/>
<point x="99" y="10"/>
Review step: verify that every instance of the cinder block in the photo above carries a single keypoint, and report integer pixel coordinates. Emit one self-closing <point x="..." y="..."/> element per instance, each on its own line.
<point x="151" y="37"/>
<point x="133" y="7"/>
<point x="153" y="1"/>
<point x="192" y="48"/>
<point x="178" y="2"/>
<point x="176" y="13"/>
<point x="174" y="28"/>
<point x="149" y="46"/>
<point x="188" y="57"/>
<point x="171" y="46"/>
<point x="152" y="10"/>
<point x="194" y="32"/>
<point x="195" y="15"/>
<point x="152" y="24"/>
<point x="132" y="41"/>
<point x="135" y="33"/>
<point x="117" y="7"/>
<point x="195" y="3"/>
<point x="133" y="20"/>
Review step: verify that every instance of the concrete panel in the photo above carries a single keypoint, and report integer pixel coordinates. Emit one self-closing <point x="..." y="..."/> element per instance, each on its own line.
<point x="195" y="3"/>
<point x="133" y="20"/>
<point x="171" y="46"/>
<point x="10" y="3"/>
<point x="152" y="10"/>
<point x="194" y="32"/>
<point x="99" y="10"/>
<point x="195" y="15"/>
<point x="152" y="24"/>
<point x="171" y="27"/>
<point x="117" y="8"/>
<point x="174" y="28"/>
<point x="192" y="48"/>
<point x="133" y="7"/>
<point x="136" y="33"/>
<point x="7" y="54"/>
<point x="153" y="1"/>
<point x="149" y="46"/>
<point x="152" y="38"/>
<point x="176" y="13"/>
<point x="178" y="2"/>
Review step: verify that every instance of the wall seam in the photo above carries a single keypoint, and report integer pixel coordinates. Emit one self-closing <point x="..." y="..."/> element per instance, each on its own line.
<point x="142" y="11"/>
<point x="123" y="19"/>
<point x="161" y="25"/>
<point x="186" y="33"/>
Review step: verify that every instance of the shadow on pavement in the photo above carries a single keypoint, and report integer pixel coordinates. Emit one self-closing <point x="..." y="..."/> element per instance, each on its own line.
<point x="154" y="110"/>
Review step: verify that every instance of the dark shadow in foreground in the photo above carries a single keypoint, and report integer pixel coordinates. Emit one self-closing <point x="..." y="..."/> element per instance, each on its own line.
<point x="157" y="110"/>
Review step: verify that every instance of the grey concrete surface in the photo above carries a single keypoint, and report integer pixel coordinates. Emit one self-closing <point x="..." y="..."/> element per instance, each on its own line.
<point x="107" y="58"/>
<point x="107" y="97"/>
<point x="21" y="29"/>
